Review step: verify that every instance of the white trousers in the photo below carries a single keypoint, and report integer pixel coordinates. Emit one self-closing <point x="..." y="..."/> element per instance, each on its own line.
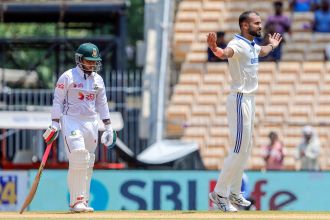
<point x="79" y="133"/>
<point x="80" y="138"/>
<point x="240" y="114"/>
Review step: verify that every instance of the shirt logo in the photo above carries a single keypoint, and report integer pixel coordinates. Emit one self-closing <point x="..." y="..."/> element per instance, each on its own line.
<point x="88" y="97"/>
<point x="96" y="87"/>
<point x="60" y="85"/>
<point x="254" y="60"/>
<point x="79" y="85"/>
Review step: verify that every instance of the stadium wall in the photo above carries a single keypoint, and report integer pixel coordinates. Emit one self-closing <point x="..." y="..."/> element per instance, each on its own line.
<point x="167" y="190"/>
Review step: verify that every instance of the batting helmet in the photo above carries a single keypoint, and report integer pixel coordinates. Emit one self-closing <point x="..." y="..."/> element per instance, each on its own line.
<point x="88" y="51"/>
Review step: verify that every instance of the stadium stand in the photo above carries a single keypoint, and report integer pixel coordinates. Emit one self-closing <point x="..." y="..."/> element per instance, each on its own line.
<point x="292" y="92"/>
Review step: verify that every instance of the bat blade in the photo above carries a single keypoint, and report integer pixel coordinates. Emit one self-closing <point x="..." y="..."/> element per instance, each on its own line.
<point x="33" y="190"/>
<point x="36" y="181"/>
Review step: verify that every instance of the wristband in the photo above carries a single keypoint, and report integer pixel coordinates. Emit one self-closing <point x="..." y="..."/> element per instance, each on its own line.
<point x="272" y="47"/>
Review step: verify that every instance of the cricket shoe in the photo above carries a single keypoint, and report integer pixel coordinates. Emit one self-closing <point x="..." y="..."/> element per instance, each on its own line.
<point x="89" y="209"/>
<point x="80" y="207"/>
<point x="239" y="200"/>
<point x="223" y="203"/>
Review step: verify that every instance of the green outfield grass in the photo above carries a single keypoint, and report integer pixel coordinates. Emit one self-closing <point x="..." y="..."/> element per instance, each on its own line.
<point x="191" y="215"/>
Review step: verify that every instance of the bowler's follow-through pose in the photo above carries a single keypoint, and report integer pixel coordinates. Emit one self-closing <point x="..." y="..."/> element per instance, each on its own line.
<point x="79" y="96"/>
<point x="242" y="54"/>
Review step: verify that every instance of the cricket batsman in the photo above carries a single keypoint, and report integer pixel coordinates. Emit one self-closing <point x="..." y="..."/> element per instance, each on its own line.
<point x="79" y="96"/>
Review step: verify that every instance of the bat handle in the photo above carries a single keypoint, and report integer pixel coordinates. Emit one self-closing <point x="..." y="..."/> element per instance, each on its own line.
<point x="45" y="156"/>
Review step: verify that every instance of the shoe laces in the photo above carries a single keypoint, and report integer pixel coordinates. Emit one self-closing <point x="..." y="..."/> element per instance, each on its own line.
<point x="223" y="202"/>
<point x="238" y="197"/>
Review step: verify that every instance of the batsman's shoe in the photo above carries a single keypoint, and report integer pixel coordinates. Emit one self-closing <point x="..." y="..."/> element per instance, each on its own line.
<point x="223" y="203"/>
<point x="89" y="209"/>
<point x="80" y="207"/>
<point x="239" y="200"/>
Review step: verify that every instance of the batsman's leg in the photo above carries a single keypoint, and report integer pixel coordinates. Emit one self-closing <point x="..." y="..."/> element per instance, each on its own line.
<point x="90" y="130"/>
<point x="89" y="178"/>
<point x="78" y="165"/>
<point x="78" y="162"/>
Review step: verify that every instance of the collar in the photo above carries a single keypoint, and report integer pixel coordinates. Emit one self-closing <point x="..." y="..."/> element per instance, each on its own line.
<point x="246" y="40"/>
<point x="82" y="74"/>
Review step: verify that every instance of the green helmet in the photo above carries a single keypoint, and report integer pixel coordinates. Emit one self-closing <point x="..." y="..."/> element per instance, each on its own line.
<point x="88" y="51"/>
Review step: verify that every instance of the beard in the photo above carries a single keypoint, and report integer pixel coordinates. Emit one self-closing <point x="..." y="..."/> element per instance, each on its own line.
<point x="255" y="33"/>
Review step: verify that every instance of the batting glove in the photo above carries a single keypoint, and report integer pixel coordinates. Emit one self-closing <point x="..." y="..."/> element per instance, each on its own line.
<point x="51" y="133"/>
<point x="109" y="136"/>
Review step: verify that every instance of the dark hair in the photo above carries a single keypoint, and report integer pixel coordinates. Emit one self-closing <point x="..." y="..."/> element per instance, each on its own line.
<point x="278" y="3"/>
<point x="245" y="17"/>
<point x="272" y="134"/>
<point x="220" y="34"/>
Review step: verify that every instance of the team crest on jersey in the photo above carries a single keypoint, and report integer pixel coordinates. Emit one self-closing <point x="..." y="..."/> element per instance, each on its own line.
<point x="94" y="53"/>
<point x="95" y="87"/>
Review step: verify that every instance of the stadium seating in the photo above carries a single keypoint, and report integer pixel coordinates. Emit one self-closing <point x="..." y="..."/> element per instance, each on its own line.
<point x="294" y="94"/>
<point x="291" y="93"/>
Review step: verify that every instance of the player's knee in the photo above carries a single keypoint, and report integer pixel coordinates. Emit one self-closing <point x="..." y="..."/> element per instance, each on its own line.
<point x="79" y="159"/>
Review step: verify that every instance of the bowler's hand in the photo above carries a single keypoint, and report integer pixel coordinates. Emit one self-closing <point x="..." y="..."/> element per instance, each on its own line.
<point x="275" y="39"/>
<point x="211" y="41"/>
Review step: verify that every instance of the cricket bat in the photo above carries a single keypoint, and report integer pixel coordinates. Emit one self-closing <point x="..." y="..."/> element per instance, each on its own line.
<point x="36" y="181"/>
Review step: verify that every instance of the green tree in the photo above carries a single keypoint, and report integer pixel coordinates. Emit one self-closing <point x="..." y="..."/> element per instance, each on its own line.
<point x="25" y="58"/>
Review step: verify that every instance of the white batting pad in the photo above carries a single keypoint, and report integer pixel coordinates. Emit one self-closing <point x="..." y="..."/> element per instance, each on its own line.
<point x="89" y="174"/>
<point x="77" y="175"/>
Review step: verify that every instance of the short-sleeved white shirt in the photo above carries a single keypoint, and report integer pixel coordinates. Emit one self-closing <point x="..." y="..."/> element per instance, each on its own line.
<point x="243" y="66"/>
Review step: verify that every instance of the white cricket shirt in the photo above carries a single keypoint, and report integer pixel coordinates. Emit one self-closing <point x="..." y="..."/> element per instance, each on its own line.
<point x="243" y="66"/>
<point x="76" y="96"/>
